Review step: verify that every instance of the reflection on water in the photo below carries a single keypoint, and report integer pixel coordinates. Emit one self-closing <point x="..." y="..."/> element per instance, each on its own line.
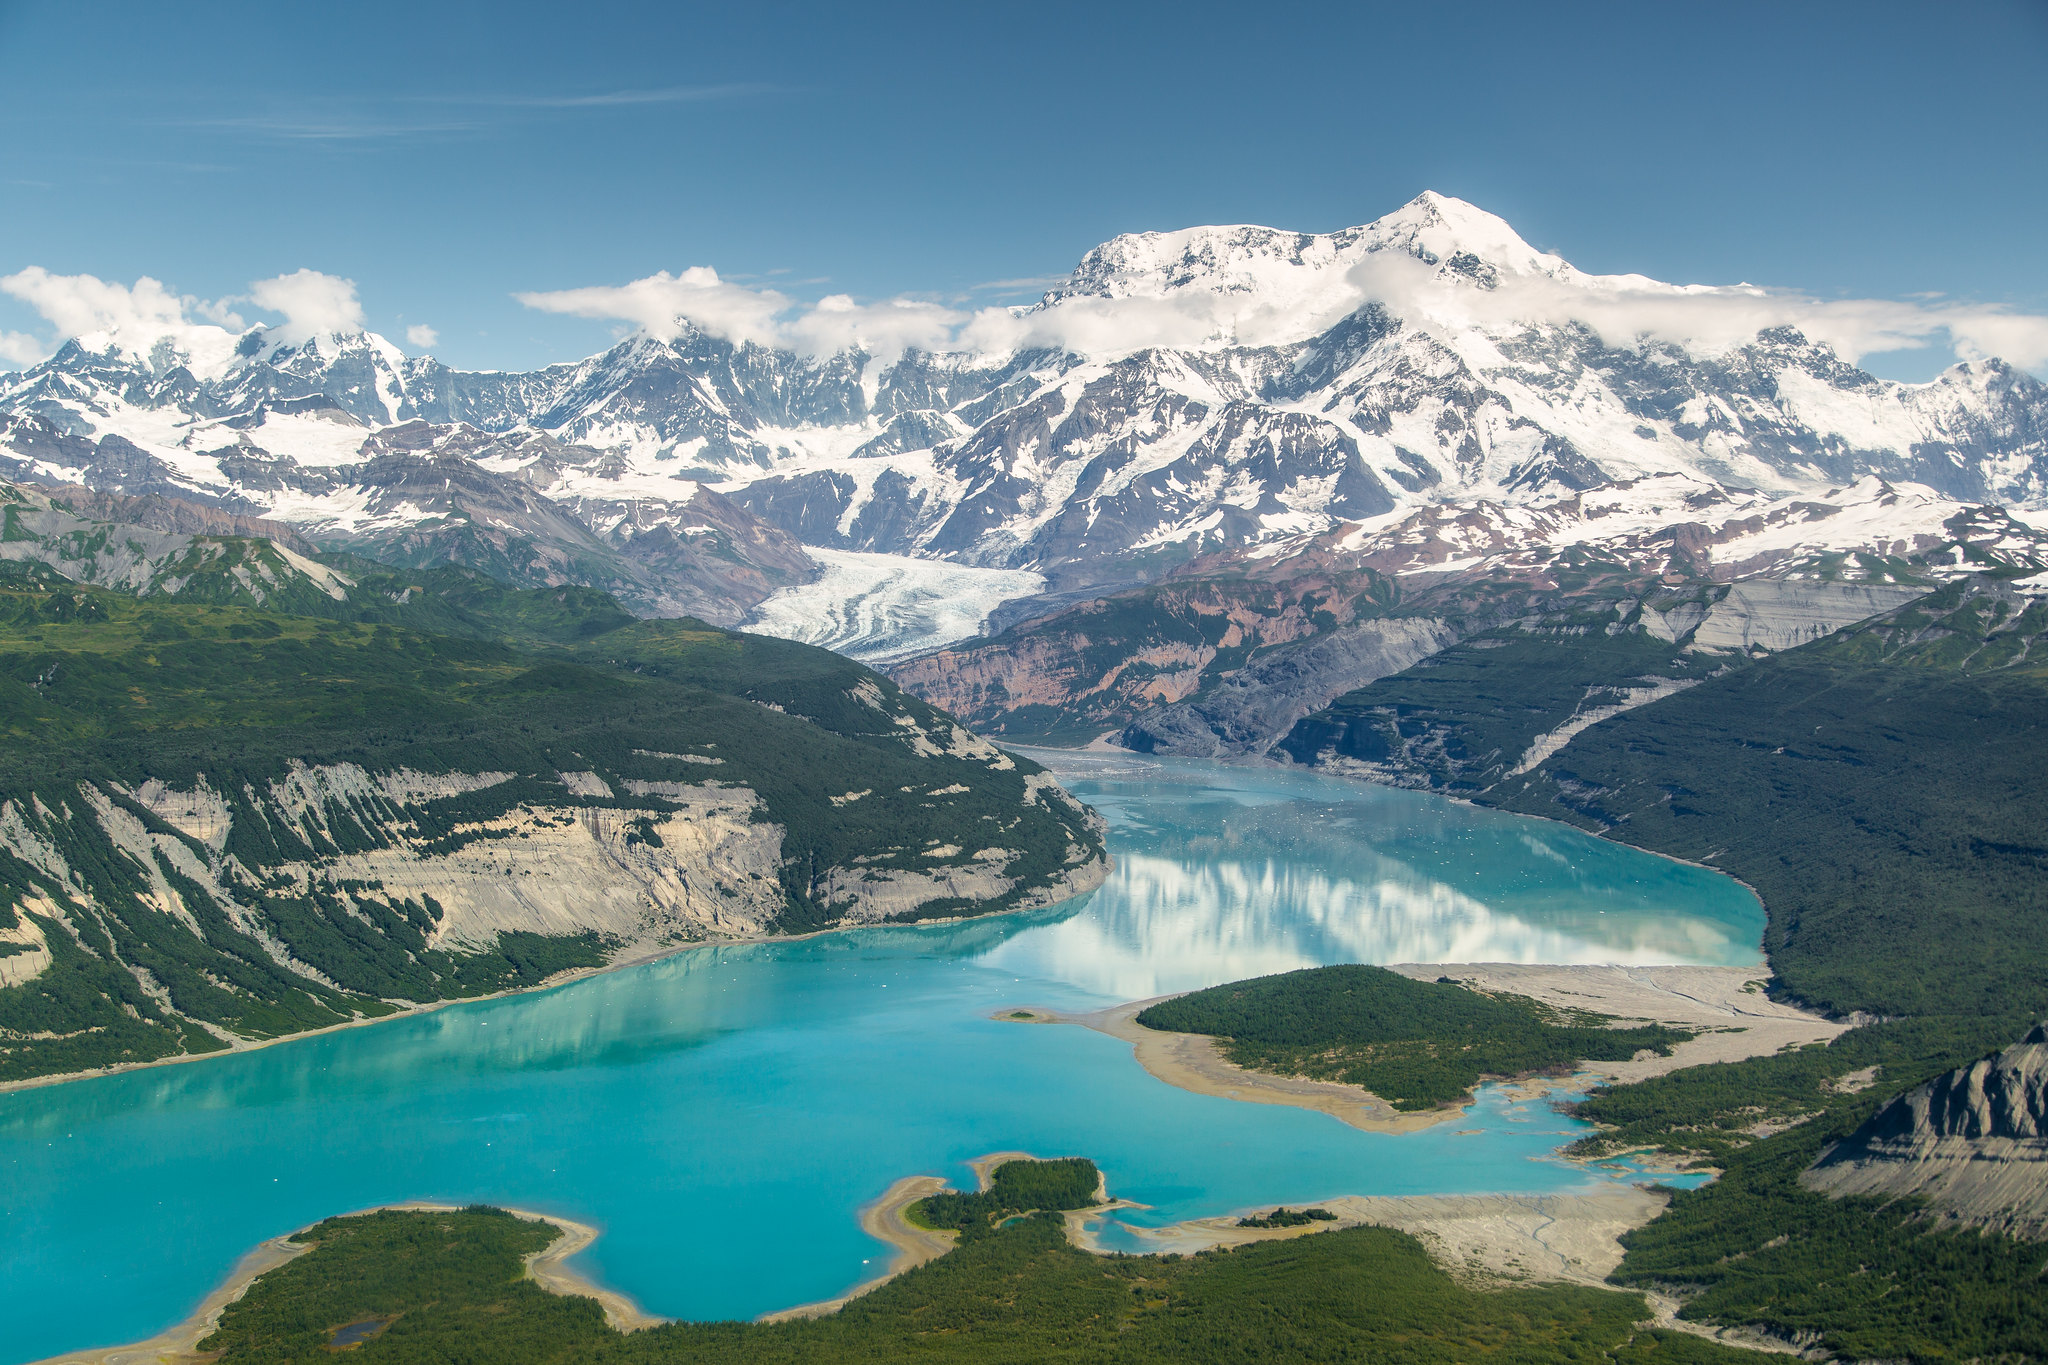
<point x="1224" y="873"/>
<point x="768" y="1090"/>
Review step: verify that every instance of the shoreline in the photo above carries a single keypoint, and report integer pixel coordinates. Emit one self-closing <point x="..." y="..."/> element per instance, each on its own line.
<point x="884" y="1219"/>
<point x="911" y="1246"/>
<point x="1193" y="1062"/>
<point x="1100" y="745"/>
<point x="1485" y="1241"/>
<point x="567" y="977"/>
<point x="1730" y="1021"/>
<point x="178" y="1344"/>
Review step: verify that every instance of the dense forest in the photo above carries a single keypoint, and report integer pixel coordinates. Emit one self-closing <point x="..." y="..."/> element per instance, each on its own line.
<point x="1014" y="1187"/>
<point x="434" y="1287"/>
<point x="1415" y="1044"/>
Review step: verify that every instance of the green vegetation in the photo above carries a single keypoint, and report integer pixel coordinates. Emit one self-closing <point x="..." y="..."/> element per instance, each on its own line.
<point x="1858" y="1278"/>
<point x="1415" y="1044"/>
<point x="1880" y="789"/>
<point x="1888" y="809"/>
<point x="1713" y="1111"/>
<point x="1014" y="1187"/>
<point x="1284" y="1217"/>
<point x="1460" y="719"/>
<point x="451" y="1287"/>
<point x="160" y="943"/>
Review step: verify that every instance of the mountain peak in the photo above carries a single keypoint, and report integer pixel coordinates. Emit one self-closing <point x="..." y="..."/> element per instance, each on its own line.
<point x="1292" y="268"/>
<point x="1443" y="226"/>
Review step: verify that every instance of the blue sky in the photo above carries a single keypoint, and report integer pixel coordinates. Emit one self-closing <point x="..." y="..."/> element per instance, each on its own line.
<point x="446" y="156"/>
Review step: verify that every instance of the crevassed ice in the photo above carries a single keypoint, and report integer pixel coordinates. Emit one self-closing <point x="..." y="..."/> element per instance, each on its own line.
<point x="872" y="607"/>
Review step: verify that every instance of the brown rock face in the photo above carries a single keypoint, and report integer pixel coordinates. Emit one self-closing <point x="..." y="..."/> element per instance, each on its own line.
<point x="1095" y="667"/>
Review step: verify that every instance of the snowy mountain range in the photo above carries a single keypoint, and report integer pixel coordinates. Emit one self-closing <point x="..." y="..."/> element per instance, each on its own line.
<point x="1180" y="395"/>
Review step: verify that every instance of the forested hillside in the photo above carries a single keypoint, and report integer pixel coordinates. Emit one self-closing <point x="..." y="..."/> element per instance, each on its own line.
<point x="1882" y="791"/>
<point x="223" y="821"/>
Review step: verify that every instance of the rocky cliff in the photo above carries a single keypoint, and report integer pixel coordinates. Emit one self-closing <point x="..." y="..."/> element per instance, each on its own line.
<point x="1973" y="1143"/>
<point x="1097" y="666"/>
<point x="1250" y="709"/>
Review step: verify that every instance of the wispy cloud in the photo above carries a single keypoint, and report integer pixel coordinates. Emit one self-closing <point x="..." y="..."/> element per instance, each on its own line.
<point x="1017" y="286"/>
<point x="609" y="99"/>
<point x="329" y="119"/>
<point x="338" y="127"/>
<point x="1625" y="310"/>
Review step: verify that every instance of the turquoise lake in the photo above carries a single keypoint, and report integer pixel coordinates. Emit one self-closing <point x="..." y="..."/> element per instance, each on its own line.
<point x="723" y="1114"/>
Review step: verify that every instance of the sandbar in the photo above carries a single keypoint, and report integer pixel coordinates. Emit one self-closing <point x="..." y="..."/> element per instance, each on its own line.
<point x="915" y="1246"/>
<point x="1194" y="1061"/>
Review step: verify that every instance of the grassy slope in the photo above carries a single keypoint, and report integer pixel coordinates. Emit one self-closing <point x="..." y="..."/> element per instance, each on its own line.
<point x="452" y="1284"/>
<point x="1415" y="1044"/>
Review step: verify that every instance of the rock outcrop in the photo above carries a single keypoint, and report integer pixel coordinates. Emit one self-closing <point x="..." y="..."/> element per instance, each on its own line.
<point x="1255" y="706"/>
<point x="1972" y="1143"/>
<point x="1775" y="614"/>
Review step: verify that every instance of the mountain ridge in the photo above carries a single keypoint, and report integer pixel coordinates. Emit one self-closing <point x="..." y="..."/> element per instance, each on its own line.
<point x="1180" y="394"/>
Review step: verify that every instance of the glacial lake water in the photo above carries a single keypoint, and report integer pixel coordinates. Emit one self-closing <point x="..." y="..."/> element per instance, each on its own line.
<point x="723" y="1114"/>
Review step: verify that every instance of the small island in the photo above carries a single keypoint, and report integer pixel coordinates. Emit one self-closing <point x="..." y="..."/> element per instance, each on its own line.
<point x="1418" y="1045"/>
<point x="1013" y="1189"/>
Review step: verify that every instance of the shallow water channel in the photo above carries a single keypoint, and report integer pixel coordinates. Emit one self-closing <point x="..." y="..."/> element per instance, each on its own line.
<point x="722" y="1115"/>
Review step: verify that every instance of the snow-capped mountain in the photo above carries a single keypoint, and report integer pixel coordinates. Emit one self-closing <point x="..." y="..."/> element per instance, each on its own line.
<point x="1180" y="394"/>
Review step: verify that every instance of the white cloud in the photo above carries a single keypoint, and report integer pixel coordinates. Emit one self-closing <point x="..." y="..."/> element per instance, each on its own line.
<point x="312" y="304"/>
<point x="662" y="304"/>
<point x="19" y="348"/>
<point x="422" y="336"/>
<point x="135" y="318"/>
<point x="1270" y="300"/>
<point x="203" y="334"/>
<point x="1625" y="308"/>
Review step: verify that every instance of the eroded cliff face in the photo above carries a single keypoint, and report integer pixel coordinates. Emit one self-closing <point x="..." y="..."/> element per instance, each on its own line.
<point x="379" y="889"/>
<point x="1252" y="708"/>
<point x="650" y="864"/>
<point x="1098" y="666"/>
<point x="1973" y="1143"/>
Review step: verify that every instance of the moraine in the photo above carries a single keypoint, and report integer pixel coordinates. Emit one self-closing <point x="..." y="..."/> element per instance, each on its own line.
<point x="723" y="1113"/>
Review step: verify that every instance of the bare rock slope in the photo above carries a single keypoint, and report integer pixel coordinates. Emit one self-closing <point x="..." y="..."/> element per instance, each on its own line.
<point x="1973" y="1143"/>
